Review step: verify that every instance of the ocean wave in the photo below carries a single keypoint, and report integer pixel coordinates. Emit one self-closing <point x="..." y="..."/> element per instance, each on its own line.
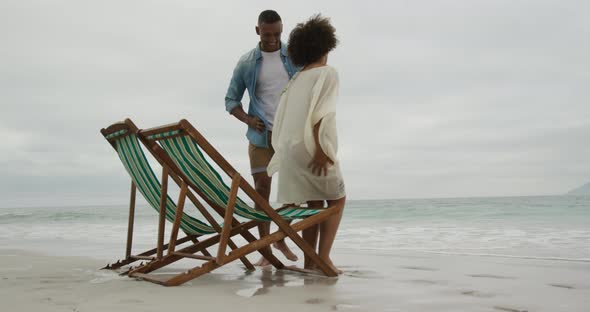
<point x="56" y="216"/>
<point x="509" y="256"/>
<point x="86" y="215"/>
<point x="15" y="215"/>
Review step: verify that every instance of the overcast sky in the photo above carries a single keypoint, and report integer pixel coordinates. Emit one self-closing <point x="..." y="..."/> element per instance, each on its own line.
<point x="438" y="98"/>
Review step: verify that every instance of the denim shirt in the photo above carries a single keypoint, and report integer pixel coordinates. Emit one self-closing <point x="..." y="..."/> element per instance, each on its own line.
<point x="244" y="77"/>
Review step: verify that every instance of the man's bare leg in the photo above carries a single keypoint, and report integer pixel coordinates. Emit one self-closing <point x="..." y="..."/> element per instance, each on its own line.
<point x="282" y="246"/>
<point x="263" y="230"/>
<point x="328" y="231"/>
<point x="262" y="183"/>
<point x="310" y="235"/>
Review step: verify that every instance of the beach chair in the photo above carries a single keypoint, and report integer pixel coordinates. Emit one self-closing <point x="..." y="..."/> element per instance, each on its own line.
<point x="182" y="148"/>
<point x="123" y="138"/>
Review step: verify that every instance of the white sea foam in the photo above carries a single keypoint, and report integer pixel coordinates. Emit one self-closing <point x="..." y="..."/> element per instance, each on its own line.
<point x="542" y="227"/>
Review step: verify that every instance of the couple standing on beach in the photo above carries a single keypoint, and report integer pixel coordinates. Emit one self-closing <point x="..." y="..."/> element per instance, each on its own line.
<point x="291" y="122"/>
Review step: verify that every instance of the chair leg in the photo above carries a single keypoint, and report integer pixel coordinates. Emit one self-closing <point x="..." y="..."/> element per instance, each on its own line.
<point x="231" y="244"/>
<point x="225" y="239"/>
<point x="204" y="251"/>
<point x="177" y="218"/>
<point x="244" y="260"/>
<point x="192" y="274"/>
<point x="148" y="253"/>
<point x="229" y="211"/>
<point x="266" y="241"/>
<point x="131" y="220"/>
<point x="193" y="249"/>
<point x="129" y="244"/>
<point x="162" y="219"/>
<point x="292" y="234"/>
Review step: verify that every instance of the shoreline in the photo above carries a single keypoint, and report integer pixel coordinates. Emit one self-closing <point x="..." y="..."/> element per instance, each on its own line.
<point x="408" y="281"/>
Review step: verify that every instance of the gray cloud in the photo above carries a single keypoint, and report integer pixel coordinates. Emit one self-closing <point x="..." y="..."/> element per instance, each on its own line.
<point x="438" y="98"/>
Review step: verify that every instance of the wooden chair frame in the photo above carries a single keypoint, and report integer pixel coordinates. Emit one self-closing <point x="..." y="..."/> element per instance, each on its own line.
<point x="148" y="255"/>
<point x="231" y="226"/>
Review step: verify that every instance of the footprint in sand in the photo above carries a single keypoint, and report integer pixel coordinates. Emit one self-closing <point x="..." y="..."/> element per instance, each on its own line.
<point x="490" y="276"/>
<point x="314" y="301"/>
<point x="509" y="309"/>
<point x="424" y="282"/>
<point x="362" y="274"/>
<point x="563" y="286"/>
<point x="419" y="268"/>
<point x="475" y="293"/>
<point x="344" y="307"/>
<point x="132" y="301"/>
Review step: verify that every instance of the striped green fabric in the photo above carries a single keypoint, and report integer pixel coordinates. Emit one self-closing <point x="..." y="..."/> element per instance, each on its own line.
<point x="116" y="134"/>
<point x="163" y="134"/>
<point x="149" y="186"/>
<point x="188" y="157"/>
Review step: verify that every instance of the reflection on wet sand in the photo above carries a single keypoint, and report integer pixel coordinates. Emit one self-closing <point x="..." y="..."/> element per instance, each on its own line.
<point x="267" y="278"/>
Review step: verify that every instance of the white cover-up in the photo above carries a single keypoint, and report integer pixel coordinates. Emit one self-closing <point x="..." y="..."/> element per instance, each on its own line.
<point x="308" y="98"/>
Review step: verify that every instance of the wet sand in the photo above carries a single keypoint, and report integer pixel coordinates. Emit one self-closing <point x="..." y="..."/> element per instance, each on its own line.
<point x="410" y="281"/>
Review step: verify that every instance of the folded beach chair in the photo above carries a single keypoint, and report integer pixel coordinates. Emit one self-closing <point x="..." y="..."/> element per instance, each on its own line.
<point x="123" y="137"/>
<point x="182" y="148"/>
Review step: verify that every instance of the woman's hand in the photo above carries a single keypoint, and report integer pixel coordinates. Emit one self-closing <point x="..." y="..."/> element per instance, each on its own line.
<point x="319" y="163"/>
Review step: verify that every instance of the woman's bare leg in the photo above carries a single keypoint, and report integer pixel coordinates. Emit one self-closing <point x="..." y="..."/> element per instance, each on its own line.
<point x="310" y="235"/>
<point x="328" y="231"/>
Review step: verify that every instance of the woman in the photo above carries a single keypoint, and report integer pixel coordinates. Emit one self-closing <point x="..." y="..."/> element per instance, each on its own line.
<point x="304" y="135"/>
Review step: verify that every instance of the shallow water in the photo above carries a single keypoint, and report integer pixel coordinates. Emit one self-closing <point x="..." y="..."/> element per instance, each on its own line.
<point x="545" y="227"/>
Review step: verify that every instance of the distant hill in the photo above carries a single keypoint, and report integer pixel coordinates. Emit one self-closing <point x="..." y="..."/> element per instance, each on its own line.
<point x="582" y="190"/>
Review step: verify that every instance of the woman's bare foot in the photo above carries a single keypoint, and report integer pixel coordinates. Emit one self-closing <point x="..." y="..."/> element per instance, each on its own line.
<point x="338" y="271"/>
<point x="262" y="262"/>
<point x="330" y="264"/>
<point x="282" y="246"/>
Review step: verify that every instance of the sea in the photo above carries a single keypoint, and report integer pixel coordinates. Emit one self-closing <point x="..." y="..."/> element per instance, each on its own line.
<point x="539" y="227"/>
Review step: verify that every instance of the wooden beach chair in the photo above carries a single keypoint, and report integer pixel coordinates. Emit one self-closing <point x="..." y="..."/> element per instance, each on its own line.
<point x="182" y="149"/>
<point x="123" y="138"/>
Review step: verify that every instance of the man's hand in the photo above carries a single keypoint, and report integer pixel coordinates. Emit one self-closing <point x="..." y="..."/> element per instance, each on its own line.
<point x="319" y="163"/>
<point x="251" y="121"/>
<point x="255" y="122"/>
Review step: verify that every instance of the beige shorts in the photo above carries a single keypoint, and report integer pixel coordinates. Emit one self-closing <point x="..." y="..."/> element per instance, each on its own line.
<point x="260" y="157"/>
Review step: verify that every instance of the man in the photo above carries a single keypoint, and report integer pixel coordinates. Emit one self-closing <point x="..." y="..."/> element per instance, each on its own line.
<point x="264" y="72"/>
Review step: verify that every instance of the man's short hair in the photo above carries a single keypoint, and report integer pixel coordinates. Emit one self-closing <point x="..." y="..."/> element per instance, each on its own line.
<point x="268" y="17"/>
<point x="310" y="41"/>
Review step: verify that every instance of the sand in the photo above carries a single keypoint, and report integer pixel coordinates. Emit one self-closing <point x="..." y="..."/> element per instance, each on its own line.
<point x="409" y="281"/>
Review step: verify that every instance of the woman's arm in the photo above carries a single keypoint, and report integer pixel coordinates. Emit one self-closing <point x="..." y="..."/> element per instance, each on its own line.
<point x="320" y="160"/>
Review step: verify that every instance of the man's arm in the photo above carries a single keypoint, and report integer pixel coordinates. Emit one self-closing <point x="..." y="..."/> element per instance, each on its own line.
<point x="233" y="97"/>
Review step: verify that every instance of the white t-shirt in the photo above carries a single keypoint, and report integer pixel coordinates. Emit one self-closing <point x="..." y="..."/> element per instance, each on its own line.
<point x="272" y="79"/>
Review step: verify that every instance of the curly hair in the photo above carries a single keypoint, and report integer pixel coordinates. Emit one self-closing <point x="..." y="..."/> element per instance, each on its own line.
<point x="310" y="41"/>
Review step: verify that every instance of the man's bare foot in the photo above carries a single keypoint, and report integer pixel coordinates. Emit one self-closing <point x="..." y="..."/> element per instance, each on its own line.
<point x="311" y="267"/>
<point x="282" y="246"/>
<point x="262" y="262"/>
